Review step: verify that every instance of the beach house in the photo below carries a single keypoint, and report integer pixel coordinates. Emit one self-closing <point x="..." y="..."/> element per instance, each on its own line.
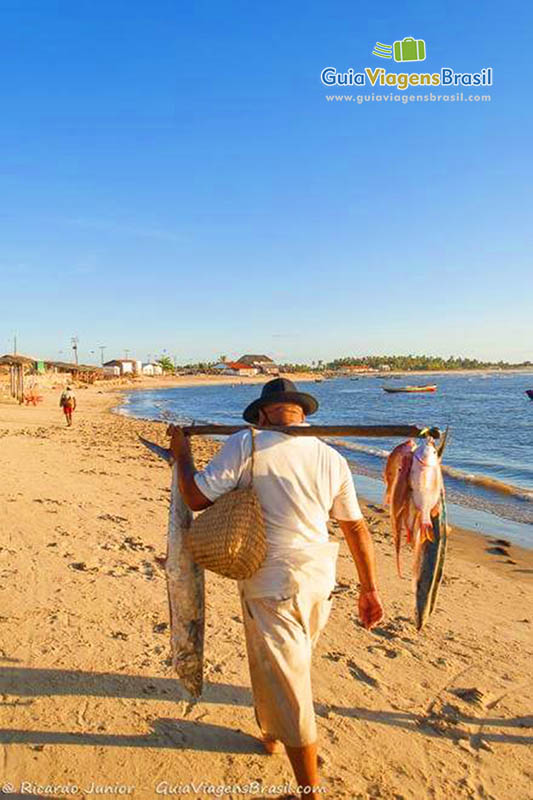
<point x="236" y="368"/>
<point x="151" y="369"/>
<point x="127" y="366"/>
<point x="261" y="363"/>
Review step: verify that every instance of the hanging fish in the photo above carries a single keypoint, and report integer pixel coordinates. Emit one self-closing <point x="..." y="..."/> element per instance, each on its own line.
<point x="185" y="586"/>
<point x="396" y="476"/>
<point x="415" y="493"/>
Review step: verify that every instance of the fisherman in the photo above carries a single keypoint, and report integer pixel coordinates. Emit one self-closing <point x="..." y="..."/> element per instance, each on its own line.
<point x="301" y="482"/>
<point x="67" y="402"/>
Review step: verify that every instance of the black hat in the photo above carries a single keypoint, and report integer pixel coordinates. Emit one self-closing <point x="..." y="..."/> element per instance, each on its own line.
<point x="280" y="390"/>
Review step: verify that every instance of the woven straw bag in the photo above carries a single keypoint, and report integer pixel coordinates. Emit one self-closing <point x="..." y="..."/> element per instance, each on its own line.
<point x="229" y="536"/>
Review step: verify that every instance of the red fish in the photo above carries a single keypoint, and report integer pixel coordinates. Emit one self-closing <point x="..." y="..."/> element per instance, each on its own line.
<point x="397" y="471"/>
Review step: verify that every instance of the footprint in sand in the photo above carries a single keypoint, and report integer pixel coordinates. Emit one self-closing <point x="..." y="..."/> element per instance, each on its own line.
<point x="360" y="674"/>
<point x="470" y="695"/>
<point x="81" y="566"/>
<point x="342" y="588"/>
<point x="497" y="551"/>
<point x="113" y="518"/>
<point x="148" y="570"/>
<point x="160" y="627"/>
<point x="131" y="543"/>
<point x="388" y="652"/>
<point x="334" y="655"/>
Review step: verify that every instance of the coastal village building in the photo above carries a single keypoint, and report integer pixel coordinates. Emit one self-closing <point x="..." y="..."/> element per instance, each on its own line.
<point x="16" y="367"/>
<point x="152" y="369"/>
<point x="356" y="368"/>
<point x="86" y="373"/>
<point x="236" y="368"/>
<point x="127" y="366"/>
<point x="262" y="364"/>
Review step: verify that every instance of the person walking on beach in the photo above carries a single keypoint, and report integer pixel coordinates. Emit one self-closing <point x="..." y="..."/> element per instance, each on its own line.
<point x="67" y="402"/>
<point x="301" y="482"/>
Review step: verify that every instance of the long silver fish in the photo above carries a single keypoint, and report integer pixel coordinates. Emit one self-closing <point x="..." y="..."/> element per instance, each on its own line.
<point x="185" y="587"/>
<point x="430" y="566"/>
<point x="431" y="536"/>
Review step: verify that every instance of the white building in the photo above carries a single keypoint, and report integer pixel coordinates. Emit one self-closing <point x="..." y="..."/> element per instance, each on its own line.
<point x="127" y="366"/>
<point x="151" y="369"/>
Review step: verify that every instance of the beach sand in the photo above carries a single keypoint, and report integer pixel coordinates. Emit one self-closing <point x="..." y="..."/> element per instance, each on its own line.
<point x="88" y="698"/>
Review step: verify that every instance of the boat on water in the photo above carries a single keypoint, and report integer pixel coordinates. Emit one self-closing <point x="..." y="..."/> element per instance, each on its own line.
<point x="410" y="389"/>
<point x="529" y="393"/>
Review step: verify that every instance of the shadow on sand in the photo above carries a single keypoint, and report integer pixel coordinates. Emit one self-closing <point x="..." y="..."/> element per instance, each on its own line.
<point x="197" y="735"/>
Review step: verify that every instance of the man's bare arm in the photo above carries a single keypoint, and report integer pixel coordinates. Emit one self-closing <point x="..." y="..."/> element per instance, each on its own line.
<point x="362" y="549"/>
<point x="181" y="450"/>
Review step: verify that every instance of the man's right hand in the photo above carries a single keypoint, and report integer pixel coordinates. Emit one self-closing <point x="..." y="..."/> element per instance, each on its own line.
<point x="178" y="441"/>
<point x="370" y="608"/>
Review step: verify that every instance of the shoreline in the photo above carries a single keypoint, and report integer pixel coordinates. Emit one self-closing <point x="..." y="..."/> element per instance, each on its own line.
<point x="516" y="530"/>
<point x="84" y="672"/>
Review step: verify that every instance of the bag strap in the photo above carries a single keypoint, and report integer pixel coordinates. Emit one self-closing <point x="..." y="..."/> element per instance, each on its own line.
<point x="252" y="431"/>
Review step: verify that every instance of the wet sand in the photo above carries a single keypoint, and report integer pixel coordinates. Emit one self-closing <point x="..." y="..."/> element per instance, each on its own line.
<point x="88" y="698"/>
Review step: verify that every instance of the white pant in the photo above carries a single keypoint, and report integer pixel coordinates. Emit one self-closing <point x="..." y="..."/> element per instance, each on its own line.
<point x="280" y="636"/>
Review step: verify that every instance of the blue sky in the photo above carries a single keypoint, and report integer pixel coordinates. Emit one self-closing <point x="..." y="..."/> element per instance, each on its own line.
<point x="174" y="179"/>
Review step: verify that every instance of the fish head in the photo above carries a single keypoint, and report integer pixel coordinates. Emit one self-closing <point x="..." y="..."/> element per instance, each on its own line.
<point x="401" y="451"/>
<point x="426" y="454"/>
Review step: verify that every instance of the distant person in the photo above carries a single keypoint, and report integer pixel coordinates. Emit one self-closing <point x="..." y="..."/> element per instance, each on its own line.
<point x="67" y="402"/>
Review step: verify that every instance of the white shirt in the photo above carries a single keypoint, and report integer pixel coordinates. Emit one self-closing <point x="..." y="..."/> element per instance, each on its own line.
<point x="300" y="482"/>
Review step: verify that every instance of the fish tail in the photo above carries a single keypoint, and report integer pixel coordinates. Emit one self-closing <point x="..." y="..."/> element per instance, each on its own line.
<point x="398" y="564"/>
<point x="426" y="532"/>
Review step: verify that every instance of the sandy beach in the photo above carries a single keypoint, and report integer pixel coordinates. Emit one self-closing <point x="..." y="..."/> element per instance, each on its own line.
<point x="88" y="698"/>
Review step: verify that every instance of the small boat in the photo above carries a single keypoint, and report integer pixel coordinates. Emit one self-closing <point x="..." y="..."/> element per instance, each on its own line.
<point x="410" y="389"/>
<point x="529" y="393"/>
<point x="319" y="380"/>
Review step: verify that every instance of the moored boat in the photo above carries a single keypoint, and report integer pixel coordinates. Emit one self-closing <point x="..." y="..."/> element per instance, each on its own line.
<point x="410" y="389"/>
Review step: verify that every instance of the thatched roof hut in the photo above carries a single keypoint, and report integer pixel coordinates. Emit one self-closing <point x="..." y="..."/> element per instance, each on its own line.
<point x="17" y="361"/>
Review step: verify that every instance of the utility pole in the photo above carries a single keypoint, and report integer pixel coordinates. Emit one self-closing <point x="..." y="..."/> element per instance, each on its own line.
<point x="102" y="348"/>
<point x="75" y="341"/>
<point x="15" y="345"/>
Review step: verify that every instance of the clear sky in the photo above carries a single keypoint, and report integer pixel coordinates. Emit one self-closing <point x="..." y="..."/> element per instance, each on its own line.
<point x="174" y="179"/>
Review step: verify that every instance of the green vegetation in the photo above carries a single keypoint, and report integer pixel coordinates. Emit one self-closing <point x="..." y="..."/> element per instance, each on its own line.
<point x="410" y="362"/>
<point x="165" y="362"/>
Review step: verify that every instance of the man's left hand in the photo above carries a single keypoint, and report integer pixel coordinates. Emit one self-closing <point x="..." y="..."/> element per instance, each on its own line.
<point x="370" y="609"/>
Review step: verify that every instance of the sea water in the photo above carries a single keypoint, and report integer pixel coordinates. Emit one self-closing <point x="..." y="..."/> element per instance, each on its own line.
<point x="489" y="416"/>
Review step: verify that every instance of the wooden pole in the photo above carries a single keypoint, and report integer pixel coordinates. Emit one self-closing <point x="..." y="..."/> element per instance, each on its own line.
<point x="370" y="431"/>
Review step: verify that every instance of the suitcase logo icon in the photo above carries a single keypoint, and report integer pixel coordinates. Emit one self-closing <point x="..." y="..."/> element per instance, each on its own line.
<point x="410" y="49"/>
